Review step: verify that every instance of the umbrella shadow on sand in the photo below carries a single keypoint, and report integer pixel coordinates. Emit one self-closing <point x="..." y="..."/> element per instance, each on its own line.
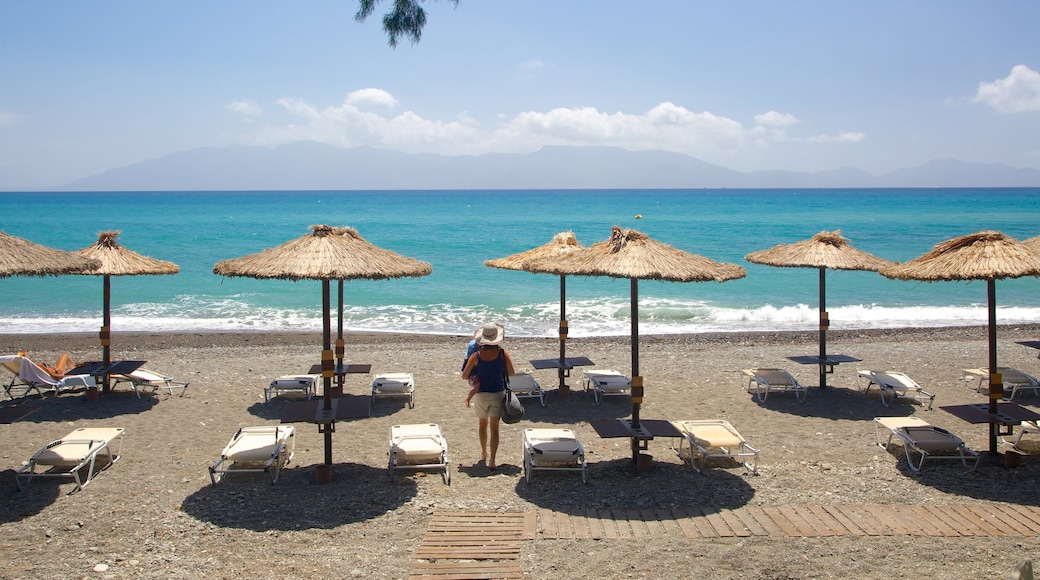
<point x="17" y="505"/>
<point x="836" y="403"/>
<point x="614" y="483"/>
<point x="990" y="482"/>
<point x="296" y="502"/>
<point x="76" y="407"/>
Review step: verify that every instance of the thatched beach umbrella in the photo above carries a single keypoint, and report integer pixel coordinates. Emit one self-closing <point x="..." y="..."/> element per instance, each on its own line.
<point x="115" y="260"/>
<point x="634" y="255"/>
<point x="1034" y="241"/>
<point x="562" y="244"/>
<point x="20" y="257"/>
<point x="325" y="254"/>
<point x="988" y="256"/>
<point x="824" y="250"/>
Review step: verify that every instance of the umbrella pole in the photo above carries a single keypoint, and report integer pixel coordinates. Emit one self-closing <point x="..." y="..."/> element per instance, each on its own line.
<point x="637" y="381"/>
<point x="824" y="324"/>
<point x="326" y="367"/>
<point x="563" y="333"/>
<point x="106" y="328"/>
<point x="996" y="383"/>
<point x="340" y="376"/>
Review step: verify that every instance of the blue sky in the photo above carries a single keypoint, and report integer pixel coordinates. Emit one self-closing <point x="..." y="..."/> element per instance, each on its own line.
<point x="804" y="86"/>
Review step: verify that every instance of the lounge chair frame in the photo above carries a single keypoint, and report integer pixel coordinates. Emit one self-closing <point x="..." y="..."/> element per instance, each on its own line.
<point x="75" y="456"/>
<point x="893" y="385"/>
<point x="1026" y="428"/>
<point x="715" y="438"/>
<point x="553" y="450"/>
<point x="525" y="386"/>
<point x="425" y="443"/>
<point x="606" y="382"/>
<point x="248" y="452"/>
<point x="773" y="380"/>
<point x="394" y="385"/>
<point x="1013" y="379"/>
<point x="923" y="439"/>
<point x="306" y="384"/>
<point x="142" y="379"/>
<point x="32" y="376"/>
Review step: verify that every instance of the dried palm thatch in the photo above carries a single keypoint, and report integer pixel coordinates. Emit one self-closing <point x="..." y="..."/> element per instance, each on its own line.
<point x="1034" y="241"/>
<point x="635" y="255"/>
<point x="20" y="257"/>
<point x="824" y="250"/>
<point x="326" y="253"/>
<point x="562" y="244"/>
<point x="116" y="260"/>
<point x="987" y="255"/>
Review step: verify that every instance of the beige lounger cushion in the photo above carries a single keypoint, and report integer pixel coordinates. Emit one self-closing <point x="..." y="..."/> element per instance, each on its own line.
<point x="714" y="436"/>
<point x="256" y="444"/>
<point x="522" y="383"/>
<point x="393" y="382"/>
<point x="417" y="442"/>
<point x="77" y="446"/>
<point x="554" y="445"/>
<point x="932" y="439"/>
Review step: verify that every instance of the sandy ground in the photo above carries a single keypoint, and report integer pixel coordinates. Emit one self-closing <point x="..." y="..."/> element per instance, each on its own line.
<point x="154" y="514"/>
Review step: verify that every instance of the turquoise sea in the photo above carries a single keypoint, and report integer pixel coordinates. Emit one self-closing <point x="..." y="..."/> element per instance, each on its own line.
<point x="456" y="231"/>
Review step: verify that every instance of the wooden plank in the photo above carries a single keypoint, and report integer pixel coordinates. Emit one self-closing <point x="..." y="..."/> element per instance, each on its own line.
<point x="689" y="530"/>
<point x="547" y="519"/>
<point x="564" y="522"/>
<point x="967" y="527"/>
<point x="994" y="519"/>
<point x="834" y="527"/>
<point x="595" y="524"/>
<point x="786" y="528"/>
<point x="668" y="524"/>
<point x="734" y="523"/>
<point x="1028" y="511"/>
<point x="621" y="521"/>
<point x="804" y="528"/>
<point x="863" y="520"/>
<point x="722" y="529"/>
<point x="1026" y="525"/>
<point x="936" y="526"/>
<point x="654" y="527"/>
<point x="887" y="518"/>
<point x="506" y="569"/>
<point x="836" y="512"/>
<point x="635" y="522"/>
<point x="966" y="512"/>
<point x="530" y="524"/>
<point x="819" y="527"/>
<point x="610" y="530"/>
<point x="750" y="523"/>
<point x="580" y="525"/>
<point x="466" y="553"/>
<point x="765" y="522"/>
<point x="911" y="521"/>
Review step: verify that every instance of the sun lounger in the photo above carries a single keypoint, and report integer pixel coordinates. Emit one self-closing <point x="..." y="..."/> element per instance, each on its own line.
<point x="420" y="447"/>
<point x="265" y="449"/>
<point x="773" y="380"/>
<point x="893" y="385"/>
<point x="32" y="376"/>
<point x="79" y="455"/>
<point x="524" y="385"/>
<point x="919" y="437"/>
<point x="394" y="385"/>
<point x="1013" y="379"/>
<point x="1026" y="428"/>
<point x="146" y="379"/>
<point x="306" y="384"/>
<point x="715" y="438"/>
<point x="553" y="450"/>
<point x="605" y="382"/>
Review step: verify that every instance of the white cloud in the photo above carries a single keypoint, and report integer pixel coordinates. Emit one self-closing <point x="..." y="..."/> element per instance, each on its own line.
<point x="7" y="119"/>
<point x="377" y="97"/>
<point x="248" y="109"/>
<point x="774" y="119"/>
<point x="532" y="65"/>
<point x="667" y="126"/>
<point x="1019" y="92"/>
<point x="841" y="137"/>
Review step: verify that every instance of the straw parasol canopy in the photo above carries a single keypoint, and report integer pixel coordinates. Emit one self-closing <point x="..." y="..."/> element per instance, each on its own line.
<point x="986" y="255"/>
<point x="824" y="250"/>
<point x="325" y="254"/>
<point x="636" y="256"/>
<point x="561" y="245"/>
<point x="1034" y="241"/>
<point x="115" y="260"/>
<point x="20" y="257"/>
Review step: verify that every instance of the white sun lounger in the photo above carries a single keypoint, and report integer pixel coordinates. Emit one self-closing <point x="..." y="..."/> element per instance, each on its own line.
<point x="605" y="382"/>
<point x="927" y="441"/>
<point x="264" y="449"/>
<point x="892" y="385"/>
<point x="1013" y="379"/>
<point x="419" y="447"/>
<point x="394" y="385"/>
<point x="306" y="384"/>
<point x="553" y="450"/>
<point x="1026" y="428"/>
<point x="524" y="385"/>
<point x="146" y="379"/>
<point x="715" y="438"/>
<point x="773" y="380"/>
<point x="30" y="376"/>
<point x="79" y="455"/>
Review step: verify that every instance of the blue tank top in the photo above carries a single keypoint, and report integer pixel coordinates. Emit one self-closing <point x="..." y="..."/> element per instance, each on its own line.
<point x="492" y="373"/>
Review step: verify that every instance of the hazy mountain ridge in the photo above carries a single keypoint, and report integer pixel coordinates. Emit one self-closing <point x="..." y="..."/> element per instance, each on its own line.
<point x="315" y="166"/>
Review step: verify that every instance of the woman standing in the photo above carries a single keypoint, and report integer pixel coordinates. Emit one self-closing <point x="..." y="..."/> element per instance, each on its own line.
<point x="492" y="364"/>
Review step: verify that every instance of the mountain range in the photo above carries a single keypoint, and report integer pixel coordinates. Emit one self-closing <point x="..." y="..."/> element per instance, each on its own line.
<point x="316" y="166"/>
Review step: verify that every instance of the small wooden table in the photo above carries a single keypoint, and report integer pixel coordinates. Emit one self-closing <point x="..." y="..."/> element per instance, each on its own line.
<point x="312" y="411"/>
<point x="348" y="369"/>
<point x="648" y="429"/>
<point x="554" y="363"/>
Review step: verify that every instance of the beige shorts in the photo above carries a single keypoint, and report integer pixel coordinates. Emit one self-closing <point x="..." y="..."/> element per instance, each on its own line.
<point x="487" y="404"/>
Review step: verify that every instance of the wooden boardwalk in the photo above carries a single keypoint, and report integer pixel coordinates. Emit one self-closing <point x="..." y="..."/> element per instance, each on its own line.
<point x="461" y="545"/>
